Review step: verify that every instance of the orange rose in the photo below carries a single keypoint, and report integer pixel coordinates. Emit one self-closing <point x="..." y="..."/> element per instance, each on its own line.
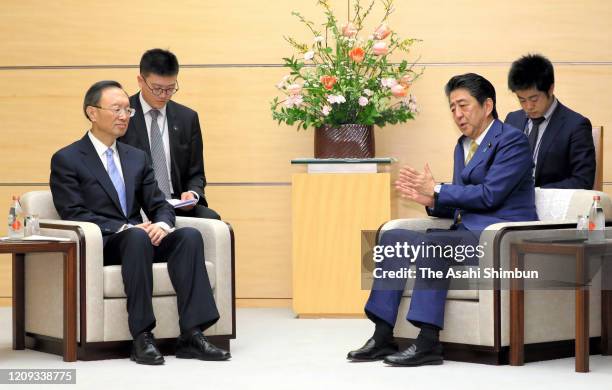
<point x="349" y="30"/>
<point x="328" y="81"/>
<point x="357" y="54"/>
<point x="382" y="31"/>
<point x="399" y="91"/>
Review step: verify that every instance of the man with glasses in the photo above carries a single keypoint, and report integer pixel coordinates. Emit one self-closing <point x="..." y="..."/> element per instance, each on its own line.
<point x="99" y="180"/>
<point x="560" y="139"/>
<point x="169" y="133"/>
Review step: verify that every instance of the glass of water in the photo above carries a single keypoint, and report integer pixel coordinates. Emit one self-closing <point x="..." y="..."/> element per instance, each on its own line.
<point x="32" y="225"/>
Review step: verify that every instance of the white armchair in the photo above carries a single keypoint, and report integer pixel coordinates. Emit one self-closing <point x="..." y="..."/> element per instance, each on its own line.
<point x="102" y="327"/>
<point x="477" y="323"/>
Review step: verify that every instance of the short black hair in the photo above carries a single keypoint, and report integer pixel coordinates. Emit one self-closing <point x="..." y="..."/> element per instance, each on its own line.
<point x="480" y="88"/>
<point x="531" y="71"/>
<point x="160" y="62"/>
<point x="94" y="93"/>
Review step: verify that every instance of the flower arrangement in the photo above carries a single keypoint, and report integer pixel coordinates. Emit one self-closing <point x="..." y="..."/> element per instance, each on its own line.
<point x="342" y="78"/>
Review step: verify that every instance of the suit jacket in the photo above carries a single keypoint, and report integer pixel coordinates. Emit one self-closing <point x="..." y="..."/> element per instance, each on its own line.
<point x="495" y="186"/>
<point x="567" y="155"/>
<point x="83" y="191"/>
<point x="186" y="150"/>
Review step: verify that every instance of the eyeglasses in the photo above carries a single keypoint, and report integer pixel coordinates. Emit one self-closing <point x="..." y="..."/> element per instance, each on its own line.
<point x="157" y="91"/>
<point x="129" y="111"/>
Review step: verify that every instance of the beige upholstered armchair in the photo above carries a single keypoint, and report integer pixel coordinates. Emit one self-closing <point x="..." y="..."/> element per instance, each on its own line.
<point x="477" y="323"/>
<point x="102" y="328"/>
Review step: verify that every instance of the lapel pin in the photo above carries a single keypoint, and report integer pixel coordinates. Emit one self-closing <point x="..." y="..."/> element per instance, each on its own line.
<point x="175" y="127"/>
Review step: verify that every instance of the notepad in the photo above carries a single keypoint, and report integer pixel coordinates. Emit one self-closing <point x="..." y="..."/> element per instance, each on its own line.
<point x="177" y="203"/>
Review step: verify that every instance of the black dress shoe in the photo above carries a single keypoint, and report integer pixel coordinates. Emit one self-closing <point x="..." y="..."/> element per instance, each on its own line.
<point x="413" y="356"/>
<point x="144" y="350"/>
<point x="370" y="351"/>
<point x="196" y="346"/>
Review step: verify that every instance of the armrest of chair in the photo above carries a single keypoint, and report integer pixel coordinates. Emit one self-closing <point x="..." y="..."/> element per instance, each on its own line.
<point x="418" y="223"/>
<point x="496" y="238"/>
<point x="218" y="249"/>
<point x="90" y="263"/>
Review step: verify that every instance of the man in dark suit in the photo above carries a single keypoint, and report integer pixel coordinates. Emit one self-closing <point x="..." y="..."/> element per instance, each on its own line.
<point x="99" y="180"/>
<point x="169" y="133"/>
<point x="492" y="183"/>
<point x="561" y="140"/>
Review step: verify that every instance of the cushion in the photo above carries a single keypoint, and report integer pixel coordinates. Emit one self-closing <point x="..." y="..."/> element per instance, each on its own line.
<point x="554" y="204"/>
<point x="113" y="282"/>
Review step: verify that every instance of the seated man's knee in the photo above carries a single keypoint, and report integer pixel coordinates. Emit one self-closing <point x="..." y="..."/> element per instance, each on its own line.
<point x="137" y="236"/>
<point x="189" y="234"/>
<point x="391" y="237"/>
<point x="206" y="212"/>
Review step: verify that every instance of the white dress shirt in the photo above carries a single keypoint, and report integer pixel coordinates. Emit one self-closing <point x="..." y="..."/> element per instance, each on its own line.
<point x="101" y="149"/>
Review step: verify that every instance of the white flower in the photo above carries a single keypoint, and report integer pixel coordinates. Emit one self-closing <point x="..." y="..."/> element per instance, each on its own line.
<point x="283" y="83"/>
<point x="363" y="101"/>
<point x="294" y="101"/>
<point x="309" y="55"/>
<point x="367" y="92"/>
<point x="325" y="110"/>
<point x="410" y="103"/>
<point x="388" y="82"/>
<point x="336" y="99"/>
<point x="318" y="39"/>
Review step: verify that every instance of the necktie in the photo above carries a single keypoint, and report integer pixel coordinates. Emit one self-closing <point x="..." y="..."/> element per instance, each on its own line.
<point x="159" y="156"/>
<point x="473" y="148"/>
<point x="535" y="130"/>
<point x="116" y="178"/>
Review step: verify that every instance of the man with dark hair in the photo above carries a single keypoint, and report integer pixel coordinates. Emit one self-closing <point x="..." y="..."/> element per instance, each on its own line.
<point x="169" y="133"/>
<point x="99" y="180"/>
<point x="560" y="139"/>
<point x="492" y="183"/>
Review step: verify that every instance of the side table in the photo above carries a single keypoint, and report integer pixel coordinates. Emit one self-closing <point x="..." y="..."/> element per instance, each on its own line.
<point x="580" y="250"/>
<point x="19" y="249"/>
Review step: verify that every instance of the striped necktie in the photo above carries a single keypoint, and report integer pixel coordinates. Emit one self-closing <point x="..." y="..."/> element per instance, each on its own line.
<point x="158" y="154"/>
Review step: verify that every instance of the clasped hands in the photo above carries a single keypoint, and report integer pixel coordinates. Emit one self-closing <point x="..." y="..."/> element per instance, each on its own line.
<point x="155" y="232"/>
<point x="416" y="186"/>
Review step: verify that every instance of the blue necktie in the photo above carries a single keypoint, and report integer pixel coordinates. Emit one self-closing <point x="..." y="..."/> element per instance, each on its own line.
<point x="116" y="178"/>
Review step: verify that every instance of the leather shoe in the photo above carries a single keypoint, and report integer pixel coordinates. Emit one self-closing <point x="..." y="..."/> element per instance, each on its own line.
<point x="195" y="346"/>
<point x="370" y="351"/>
<point x="413" y="356"/>
<point x="144" y="350"/>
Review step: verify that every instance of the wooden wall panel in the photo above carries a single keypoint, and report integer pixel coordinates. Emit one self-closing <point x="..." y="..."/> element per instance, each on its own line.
<point x="6" y="284"/>
<point x="242" y="142"/>
<point x="261" y="219"/>
<point x="237" y="31"/>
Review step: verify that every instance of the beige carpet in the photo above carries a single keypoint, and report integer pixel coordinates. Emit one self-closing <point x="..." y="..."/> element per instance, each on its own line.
<point x="276" y="351"/>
